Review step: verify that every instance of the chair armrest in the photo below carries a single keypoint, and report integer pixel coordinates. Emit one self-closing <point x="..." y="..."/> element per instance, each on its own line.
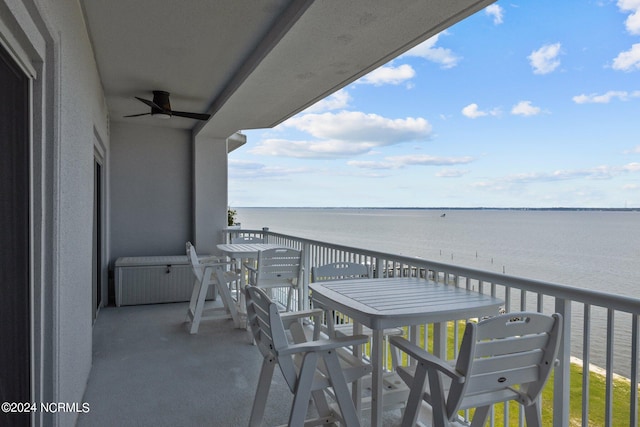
<point x="252" y="273"/>
<point x="425" y="357"/>
<point x="290" y="316"/>
<point x="323" y="345"/>
<point x="215" y="264"/>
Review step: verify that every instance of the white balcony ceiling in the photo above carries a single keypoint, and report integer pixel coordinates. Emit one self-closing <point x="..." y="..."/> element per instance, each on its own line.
<point x="250" y="63"/>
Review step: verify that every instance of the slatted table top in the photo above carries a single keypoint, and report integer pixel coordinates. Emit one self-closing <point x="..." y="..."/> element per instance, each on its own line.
<point x="246" y="250"/>
<point x="393" y="302"/>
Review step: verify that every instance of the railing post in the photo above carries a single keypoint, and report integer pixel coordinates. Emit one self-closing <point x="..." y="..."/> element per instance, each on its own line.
<point x="306" y="273"/>
<point x="561" y="385"/>
<point x="379" y="266"/>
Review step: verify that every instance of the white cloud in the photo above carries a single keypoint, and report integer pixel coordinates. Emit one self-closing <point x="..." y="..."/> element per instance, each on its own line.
<point x="631" y="167"/>
<point x="336" y="101"/>
<point x="397" y="162"/>
<point x="524" y="108"/>
<point x="240" y="169"/>
<point x="633" y="20"/>
<point x="634" y="150"/>
<point x="451" y="173"/>
<point x="629" y="60"/>
<point x="426" y="160"/>
<point x="358" y="126"/>
<point x="428" y="50"/>
<point x="545" y="60"/>
<point x="342" y="134"/>
<point x="328" y="149"/>
<point x="388" y="74"/>
<point x="473" y="111"/>
<point x="496" y="12"/>
<point x="595" y="173"/>
<point x="605" y="98"/>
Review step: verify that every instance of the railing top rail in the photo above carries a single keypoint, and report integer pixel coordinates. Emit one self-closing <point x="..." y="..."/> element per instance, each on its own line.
<point x="573" y="293"/>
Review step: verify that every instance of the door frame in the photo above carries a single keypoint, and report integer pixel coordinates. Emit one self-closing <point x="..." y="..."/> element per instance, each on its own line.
<point x="25" y="35"/>
<point x="18" y="326"/>
<point x="101" y="252"/>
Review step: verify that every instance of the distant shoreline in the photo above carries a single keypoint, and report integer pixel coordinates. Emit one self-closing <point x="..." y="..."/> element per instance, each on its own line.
<point x="450" y="208"/>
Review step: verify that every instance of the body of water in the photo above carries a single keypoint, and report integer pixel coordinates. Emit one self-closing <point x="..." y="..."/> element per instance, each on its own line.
<point x="589" y="249"/>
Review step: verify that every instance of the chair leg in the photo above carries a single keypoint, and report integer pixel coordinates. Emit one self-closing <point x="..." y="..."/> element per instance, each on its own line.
<point x="199" y="308"/>
<point x="289" y="298"/>
<point x="347" y="409"/>
<point x="394" y="353"/>
<point x="412" y="408"/>
<point x="438" y="403"/>
<point x="192" y="301"/>
<point x="227" y="300"/>
<point x="262" y="392"/>
<point x="480" y="416"/>
<point x="320" y="400"/>
<point x="532" y="415"/>
<point x="303" y="389"/>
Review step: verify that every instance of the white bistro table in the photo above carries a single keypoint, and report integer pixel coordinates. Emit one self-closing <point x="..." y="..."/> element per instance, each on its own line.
<point x="244" y="251"/>
<point x="396" y="302"/>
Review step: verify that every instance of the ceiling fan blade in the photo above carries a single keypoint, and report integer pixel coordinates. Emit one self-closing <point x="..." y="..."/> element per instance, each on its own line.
<point x="150" y="103"/>
<point x="196" y="116"/>
<point x="138" y="115"/>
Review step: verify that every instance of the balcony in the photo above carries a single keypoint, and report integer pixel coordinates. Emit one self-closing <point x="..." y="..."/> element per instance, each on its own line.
<point x="148" y="370"/>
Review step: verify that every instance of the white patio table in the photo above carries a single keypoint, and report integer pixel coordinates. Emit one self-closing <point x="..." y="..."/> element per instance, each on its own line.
<point x="244" y="251"/>
<point x="396" y="302"/>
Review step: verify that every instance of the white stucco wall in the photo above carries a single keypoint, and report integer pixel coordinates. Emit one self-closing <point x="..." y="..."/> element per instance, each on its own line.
<point x="69" y="114"/>
<point x="210" y="192"/>
<point x="81" y="112"/>
<point x="151" y="197"/>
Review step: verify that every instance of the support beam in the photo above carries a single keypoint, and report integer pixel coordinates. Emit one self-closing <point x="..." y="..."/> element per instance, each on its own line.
<point x="210" y="199"/>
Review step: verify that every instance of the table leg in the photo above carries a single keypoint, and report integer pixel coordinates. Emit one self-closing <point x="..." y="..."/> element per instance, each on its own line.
<point x="356" y="387"/>
<point x="376" y="378"/>
<point x="440" y="340"/>
<point x="243" y="284"/>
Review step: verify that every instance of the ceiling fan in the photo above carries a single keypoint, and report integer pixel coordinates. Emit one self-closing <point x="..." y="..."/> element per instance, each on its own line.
<point x="161" y="108"/>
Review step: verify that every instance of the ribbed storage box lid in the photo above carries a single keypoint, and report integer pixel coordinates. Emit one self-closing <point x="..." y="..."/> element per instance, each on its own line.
<point x="151" y="260"/>
<point x="142" y="261"/>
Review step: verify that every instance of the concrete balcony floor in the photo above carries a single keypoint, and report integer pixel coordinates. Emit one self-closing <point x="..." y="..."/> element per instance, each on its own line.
<point x="149" y="371"/>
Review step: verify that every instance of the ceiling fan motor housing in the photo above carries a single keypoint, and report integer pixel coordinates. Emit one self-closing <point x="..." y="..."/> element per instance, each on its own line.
<point x="161" y="99"/>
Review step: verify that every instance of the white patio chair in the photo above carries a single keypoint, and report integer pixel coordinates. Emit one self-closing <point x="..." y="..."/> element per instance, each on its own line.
<point x="210" y="272"/>
<point x="508" y="357"/>
<point x="348" y="271"/>
<point x="308" y="367"/>
<point x="238" y="262"/>
<point x="277" y="268"/>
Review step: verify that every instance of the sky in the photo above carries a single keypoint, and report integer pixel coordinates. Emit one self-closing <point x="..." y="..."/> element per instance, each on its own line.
<point x="523" y="104"/>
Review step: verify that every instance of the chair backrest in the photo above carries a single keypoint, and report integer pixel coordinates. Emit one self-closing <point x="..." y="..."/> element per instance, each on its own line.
<point x="196" y="267"/>
<point x="247" y="239"/>
<point x="278" y="265"/>
<point x="339" y="271"/>
<point x="268" y="331"/>
<point x="515" y="349"/>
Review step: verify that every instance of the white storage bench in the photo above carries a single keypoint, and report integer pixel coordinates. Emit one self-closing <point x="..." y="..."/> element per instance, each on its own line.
<point x="152" y="280"/>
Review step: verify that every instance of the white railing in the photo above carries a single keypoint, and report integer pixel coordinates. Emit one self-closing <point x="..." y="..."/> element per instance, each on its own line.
<point x="599" y="328"/>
